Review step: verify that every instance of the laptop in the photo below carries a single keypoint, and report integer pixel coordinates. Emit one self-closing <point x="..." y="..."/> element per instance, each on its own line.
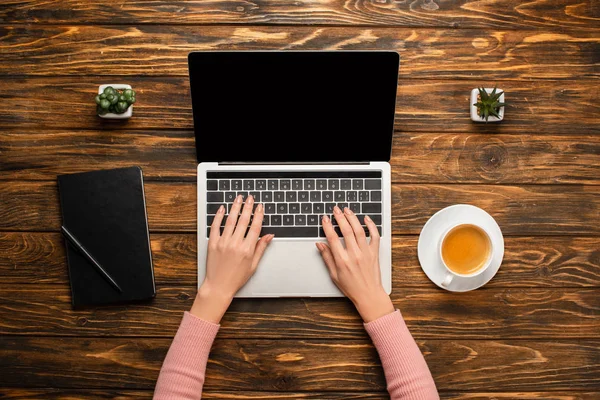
<point x="301" y="131"/>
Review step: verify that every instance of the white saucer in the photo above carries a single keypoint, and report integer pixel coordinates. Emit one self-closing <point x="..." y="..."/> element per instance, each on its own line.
<point x="430" y="237"/>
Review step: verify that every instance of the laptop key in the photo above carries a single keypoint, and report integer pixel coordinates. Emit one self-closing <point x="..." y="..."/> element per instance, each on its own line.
<point x="372" y="184"/>
<point x="375" y="217"/>
<point x="340" y="196"/>
<point x="297" y="184"/>
<point x="363" y="196"/>
<point x="346" y="184"/>
<point x="224" y="184"/>
<point x="261" y="184"/>
<point x="300" y="220"/>
<point x="275" y="219"/>
<point x="333" y="184"/>
<point x="321" y="184"/>
<point x="273" y="184"/>
<point x="236" y="184"/>
<point x="248" y="184"/>
<point x="215" y="197"/>
<point x="375" y="195"/>
<point x="212" y="184"/>
<point x="285" y="184"/>
<point x="270" y="208"/>
<point x="371" y="208"/>
<point x="327" y="196"/>
<point x="294" y="208"/>
<point x="309" y="184"/>
<point x="256" y="196"/>
<point x="302" y="196"/>
<point x="355" y="207"/>
<point x="290" y="197"/>
<point x="279" y="197"/>
<point x="357" y="184"/>
<point x="342" y="206"/>
<point x="244" y="194"/>
<point x="352" y="195"/>
<point x="212" y="208"/>
<point x="291" y="231"/>
<point x="266" y="220"/>
<point x="229" y="197"/>
<point x="312" y="220"/>
<point x="329" y="208"/>
<point x="282" y="208"/>
<point x="267" y="197"/>
<point x="288" y="220"/>
<point x="315" y="196"/>
<point x="319" y="208"/>
<point x="306" y="208"/>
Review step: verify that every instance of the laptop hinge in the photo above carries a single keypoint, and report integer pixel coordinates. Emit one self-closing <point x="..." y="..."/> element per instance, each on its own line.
<point x="295" y="163"/>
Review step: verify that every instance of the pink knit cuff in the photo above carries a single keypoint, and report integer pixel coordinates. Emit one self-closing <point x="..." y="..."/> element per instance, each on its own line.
<point x="389" y="326"/>
<point x="198" y="330"/>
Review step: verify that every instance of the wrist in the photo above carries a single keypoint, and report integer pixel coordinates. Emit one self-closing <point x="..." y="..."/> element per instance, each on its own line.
<point x="210" y="303"/>
<point x="374" y="306"/>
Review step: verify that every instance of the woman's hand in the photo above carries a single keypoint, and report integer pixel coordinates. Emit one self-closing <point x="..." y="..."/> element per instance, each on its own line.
<point x="355" y="268"/>
<point x="231" y="259"/>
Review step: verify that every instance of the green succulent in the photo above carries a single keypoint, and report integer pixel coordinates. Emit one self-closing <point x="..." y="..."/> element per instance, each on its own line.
<point x="489" y="103"/>
<point x="113" y="100"/>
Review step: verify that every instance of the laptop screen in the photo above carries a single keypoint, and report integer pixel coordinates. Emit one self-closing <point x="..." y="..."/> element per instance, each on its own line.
<point x="293" y="106"/>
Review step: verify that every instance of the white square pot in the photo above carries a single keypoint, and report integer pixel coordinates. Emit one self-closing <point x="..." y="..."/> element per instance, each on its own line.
<point x="126" y="114"/>
<point x="475" y="117"/>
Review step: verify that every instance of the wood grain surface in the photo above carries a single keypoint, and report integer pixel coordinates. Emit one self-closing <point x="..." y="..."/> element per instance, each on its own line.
<point x="429" y="313"/>
<point x="305" y="365"/>
<point x="37" y="257"/>
<point x="416" y="157"/>
<point x="531" y="333"/>
<point x="456" y="14"/>
<point x="421" y="106"/>
<point x="148" y="50"/>
<point x="520" y="210"/>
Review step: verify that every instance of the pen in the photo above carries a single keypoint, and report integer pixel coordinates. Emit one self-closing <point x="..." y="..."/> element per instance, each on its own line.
<point x="69" y="236"/>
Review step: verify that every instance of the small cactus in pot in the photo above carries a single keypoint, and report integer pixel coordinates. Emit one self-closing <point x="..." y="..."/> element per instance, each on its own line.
<point x="115" y="101"/>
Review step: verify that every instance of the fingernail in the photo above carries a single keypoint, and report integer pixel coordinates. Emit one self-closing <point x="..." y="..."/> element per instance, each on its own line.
<point x="250" y="198"/>
<point x="325" y="219"/>
<point x="367" y="218"/>
<point x="221" y="209"/>
<point x="348" y="211"/>
<point x="319" y="246"/>
<point x="337" y="210"/>
<point x="259" y="207"/>
<point x="271" y="236"/>
<point x="239" y="198"/>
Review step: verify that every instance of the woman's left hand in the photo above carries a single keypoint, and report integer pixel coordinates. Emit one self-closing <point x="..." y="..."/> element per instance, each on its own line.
<point x="232" y="258"/>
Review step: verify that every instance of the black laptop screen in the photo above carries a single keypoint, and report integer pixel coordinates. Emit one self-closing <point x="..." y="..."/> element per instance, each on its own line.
<point x="293" y="106"/>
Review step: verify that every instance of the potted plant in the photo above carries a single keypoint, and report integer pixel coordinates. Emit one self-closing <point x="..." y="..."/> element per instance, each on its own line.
<point x="487" y="105"/>
<point x="115" y="101"/>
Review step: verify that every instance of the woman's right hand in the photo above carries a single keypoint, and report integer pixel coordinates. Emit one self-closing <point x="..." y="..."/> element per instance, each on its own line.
<point x="355" y="268"/>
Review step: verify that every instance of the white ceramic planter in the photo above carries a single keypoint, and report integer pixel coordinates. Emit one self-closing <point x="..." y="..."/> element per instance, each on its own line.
<point x="126" y="114"/>
<point x="475" y="117"/>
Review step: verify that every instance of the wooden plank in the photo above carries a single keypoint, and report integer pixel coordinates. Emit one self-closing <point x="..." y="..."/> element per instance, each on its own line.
<point x="147" y="50"/>
<point x="163" y="103"/>
<point x="308" y="365"/>
<point x="85" y="394"/>
<point x="519" y="210"/>
<point x="417" y="157"/>
<point x="38" y="257"/>
<point x="464" y="14"/>
<point x="430" y="313"/>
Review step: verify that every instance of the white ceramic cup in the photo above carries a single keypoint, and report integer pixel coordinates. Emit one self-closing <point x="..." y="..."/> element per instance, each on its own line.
<point x="450" y="275"/>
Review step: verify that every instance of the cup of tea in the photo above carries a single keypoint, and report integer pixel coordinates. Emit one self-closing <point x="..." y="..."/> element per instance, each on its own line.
<point x="465" y="250"/>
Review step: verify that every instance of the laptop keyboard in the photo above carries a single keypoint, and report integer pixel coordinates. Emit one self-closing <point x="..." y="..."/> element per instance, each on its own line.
<point x="294" y="202"/>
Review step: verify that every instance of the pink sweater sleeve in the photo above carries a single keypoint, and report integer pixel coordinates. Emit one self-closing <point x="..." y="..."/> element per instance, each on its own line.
<point x="182" y="374"/>
<point x="406" y="371"/>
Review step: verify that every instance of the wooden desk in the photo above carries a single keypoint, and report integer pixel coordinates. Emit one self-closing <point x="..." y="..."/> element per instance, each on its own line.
<point x="532" y="332"/>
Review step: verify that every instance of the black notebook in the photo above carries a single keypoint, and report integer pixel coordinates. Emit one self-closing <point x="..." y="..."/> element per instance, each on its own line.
<point x="105" y="211"/>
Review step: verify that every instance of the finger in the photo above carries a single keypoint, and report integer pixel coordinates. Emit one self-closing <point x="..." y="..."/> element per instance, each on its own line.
<point x="373" y="232"/>
<point x="332" y="238"/>
<point x="359" y="232"/>
<point x="261" y="246"/>
<point x="256" y="226"/>
<point x="242" y="225"/>
<point x="328" y="258"/>
<point x="215" y="227"/>
<point x="233" y="216"/>
<point x="346" y="229"/>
